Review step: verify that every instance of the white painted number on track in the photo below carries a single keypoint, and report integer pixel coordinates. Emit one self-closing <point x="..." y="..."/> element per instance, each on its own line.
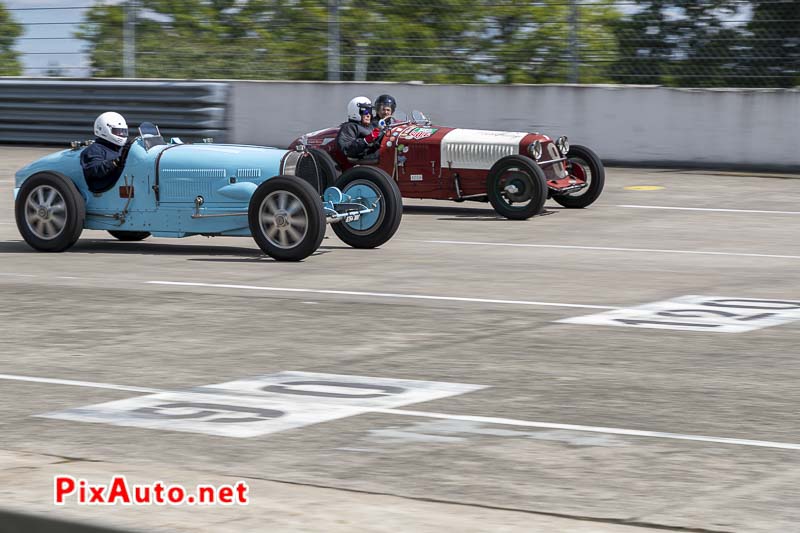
<point x="264" y="404"/>
<point x="699" y="313"/>
<point x="443" y="416"/>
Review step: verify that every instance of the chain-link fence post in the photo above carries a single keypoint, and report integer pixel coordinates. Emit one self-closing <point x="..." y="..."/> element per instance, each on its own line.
<point x="333" y="40"/>
<point x="574" y="59"/>
<point x="361" y="62"/>
<point x="129" y="40"/>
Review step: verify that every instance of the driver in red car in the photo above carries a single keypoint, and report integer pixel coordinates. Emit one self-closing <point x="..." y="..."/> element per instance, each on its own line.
<point x="357" y="137"/>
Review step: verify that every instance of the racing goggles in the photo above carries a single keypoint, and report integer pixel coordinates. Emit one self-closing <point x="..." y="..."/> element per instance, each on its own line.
<point x="120" y="132"/>
<point x="365" y="110"/>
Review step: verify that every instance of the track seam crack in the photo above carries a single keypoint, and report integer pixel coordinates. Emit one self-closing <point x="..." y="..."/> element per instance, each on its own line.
<point x="616" y="521"/>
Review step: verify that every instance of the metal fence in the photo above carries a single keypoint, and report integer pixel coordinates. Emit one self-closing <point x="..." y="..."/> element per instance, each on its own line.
<point x="54" y="111"/>
<point x="704" y="43"/>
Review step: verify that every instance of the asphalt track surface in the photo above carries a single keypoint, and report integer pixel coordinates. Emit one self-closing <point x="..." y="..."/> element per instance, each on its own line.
<point x="601" y="426"/>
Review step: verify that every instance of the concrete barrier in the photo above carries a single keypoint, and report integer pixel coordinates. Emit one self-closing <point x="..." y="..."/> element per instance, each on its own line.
<point x="624" y="124"/>
<point x="635" y="125"/>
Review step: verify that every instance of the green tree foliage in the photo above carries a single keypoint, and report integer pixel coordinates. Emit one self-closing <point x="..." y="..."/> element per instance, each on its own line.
<point x="678" y="42"/>
<point x="710" y="43"/>
<point x="9" y="31"/>
<point x="536" y="42"/>
<point x="698" y="43"/>
<point x="448" y="41"/>
<point x="429" y="40"/>
<point x="771" y="52"/>
<point x="201" y="39"/>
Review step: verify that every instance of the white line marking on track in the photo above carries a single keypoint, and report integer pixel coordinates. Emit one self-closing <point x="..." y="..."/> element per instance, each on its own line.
<point x="469" y="418"/>
<point x="611" y="249"/>
<point x="74" y="383"/>
<point x="17" y="275"/>
<point x="709" y="209"/>
<point x="377" y="294"/>
<point x="595" y="429"/>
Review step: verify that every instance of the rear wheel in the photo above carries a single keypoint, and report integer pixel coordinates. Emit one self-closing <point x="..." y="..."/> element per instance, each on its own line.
<point x="517" y="187"/>
<point x="129" y="236"/>
<point x="286" y="218"/>
<point x="584" y="164"/>
<point x="370" y="186"/>
<point x="49" y="212"/>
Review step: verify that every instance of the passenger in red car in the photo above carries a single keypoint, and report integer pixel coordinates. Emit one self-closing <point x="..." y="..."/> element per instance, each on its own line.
<point x="385" y="106"/>
<point x="357" y="137"/>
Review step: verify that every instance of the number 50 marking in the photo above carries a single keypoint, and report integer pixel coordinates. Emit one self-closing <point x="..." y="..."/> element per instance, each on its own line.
<point x="726" y="318"/>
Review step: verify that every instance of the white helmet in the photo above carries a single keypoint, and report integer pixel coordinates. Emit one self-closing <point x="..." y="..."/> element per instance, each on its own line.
<point x="357" y="107"/>
<point x="111" y="127"/>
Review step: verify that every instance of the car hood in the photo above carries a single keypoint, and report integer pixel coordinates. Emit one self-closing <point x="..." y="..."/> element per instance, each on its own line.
<point x="229" y="160"/>
<point x="479" y="149"/>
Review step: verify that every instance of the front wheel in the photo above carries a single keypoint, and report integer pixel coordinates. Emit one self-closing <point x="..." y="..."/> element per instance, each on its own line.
<point x="517" y="187"/>
<point x="286" y="218"/>
<point x="129" y="236"/>
<point x="49" y="212"/>
<point x="584" y="164"/>
<point x="372" y="187"/>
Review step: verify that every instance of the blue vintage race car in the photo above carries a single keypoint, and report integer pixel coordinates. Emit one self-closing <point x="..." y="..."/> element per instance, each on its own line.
<point x="279" y="197"/>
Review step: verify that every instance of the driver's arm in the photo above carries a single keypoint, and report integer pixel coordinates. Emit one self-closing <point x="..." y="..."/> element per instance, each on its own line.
<point x="349" y="141"/>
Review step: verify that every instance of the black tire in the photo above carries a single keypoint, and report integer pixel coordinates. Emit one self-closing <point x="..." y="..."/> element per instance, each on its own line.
<point x="390" y="204"/>
<point x="129" y="236"/>
<point x="318" y="169"/>
<point x="50" y="212"/>
<point x="531" y="183"/>
<point x="298" y="221"/>
<point x="593" y="169"/>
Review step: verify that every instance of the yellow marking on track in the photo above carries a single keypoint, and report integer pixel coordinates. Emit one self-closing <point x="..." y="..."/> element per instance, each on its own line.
<point x="644" y="188"/>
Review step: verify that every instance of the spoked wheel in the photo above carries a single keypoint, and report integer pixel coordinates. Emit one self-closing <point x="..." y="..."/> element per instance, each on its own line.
<point x="370" y="187"/>
<point x="584" y="164"/>
<point x="286" y="218"/>
<point x="129" y="236"/>
<point x="49" y="212"/>
<point x="517" y="187"/>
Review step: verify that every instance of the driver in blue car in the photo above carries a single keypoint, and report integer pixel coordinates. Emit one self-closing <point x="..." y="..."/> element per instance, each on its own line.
<point x="357" y="137"/>
<point x="102" y="160"/>
<point x="385" y="106"/>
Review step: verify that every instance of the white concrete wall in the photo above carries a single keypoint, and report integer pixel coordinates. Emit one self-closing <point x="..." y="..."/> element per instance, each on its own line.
<point x="630" y="124"/>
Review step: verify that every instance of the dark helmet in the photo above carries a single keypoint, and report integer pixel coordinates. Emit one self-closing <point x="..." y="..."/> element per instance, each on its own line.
<point x="384" y="100"/>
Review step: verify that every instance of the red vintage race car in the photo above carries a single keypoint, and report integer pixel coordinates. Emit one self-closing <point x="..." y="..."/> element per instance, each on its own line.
<point x="515" y="171"/>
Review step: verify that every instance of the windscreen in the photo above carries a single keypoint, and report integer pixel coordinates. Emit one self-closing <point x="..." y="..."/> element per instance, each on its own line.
<point x="150" y="134"/>
<point x="148" y="129"/>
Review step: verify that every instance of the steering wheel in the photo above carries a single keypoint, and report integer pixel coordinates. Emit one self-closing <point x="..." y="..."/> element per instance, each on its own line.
<point x="125" y="149"/>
